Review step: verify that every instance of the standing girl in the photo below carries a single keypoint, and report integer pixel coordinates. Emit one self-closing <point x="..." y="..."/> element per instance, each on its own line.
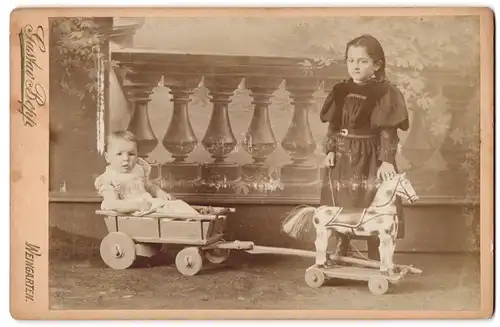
<point x="363" y="115"/>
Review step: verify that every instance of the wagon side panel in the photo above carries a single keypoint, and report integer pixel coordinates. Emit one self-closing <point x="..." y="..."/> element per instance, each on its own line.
<point x="139" y="227"/>
<point x="183" y="231"/>
<point x="111" y="223"/>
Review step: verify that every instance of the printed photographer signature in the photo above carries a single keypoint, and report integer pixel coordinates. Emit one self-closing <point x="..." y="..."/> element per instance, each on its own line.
<point x="33" y="94"/>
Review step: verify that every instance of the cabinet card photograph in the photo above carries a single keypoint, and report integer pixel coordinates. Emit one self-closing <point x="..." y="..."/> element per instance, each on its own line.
<point x="251" y="163"/>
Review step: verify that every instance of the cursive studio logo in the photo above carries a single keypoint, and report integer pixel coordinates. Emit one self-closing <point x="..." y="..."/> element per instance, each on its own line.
<point x="32" y="93"/>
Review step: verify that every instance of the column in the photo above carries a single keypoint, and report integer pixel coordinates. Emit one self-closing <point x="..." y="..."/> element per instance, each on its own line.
<point x="180" y="139"/>
<point x="259" y="140"/>
<point x="298" y="141"/>
<point x="219" y="139"/>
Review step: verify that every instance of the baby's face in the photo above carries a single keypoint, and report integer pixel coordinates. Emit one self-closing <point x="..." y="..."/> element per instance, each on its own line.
<point x="122" y="155"/>
<point x="359" y="64"/>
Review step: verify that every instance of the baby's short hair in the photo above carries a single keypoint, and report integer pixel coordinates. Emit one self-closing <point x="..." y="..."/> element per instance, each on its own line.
<point x="120" y="135"/>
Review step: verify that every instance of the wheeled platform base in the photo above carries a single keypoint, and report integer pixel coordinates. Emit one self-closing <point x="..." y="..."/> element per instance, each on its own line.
<point x="377" y="283"/>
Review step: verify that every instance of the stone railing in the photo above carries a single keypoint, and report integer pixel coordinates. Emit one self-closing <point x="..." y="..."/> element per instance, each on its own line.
<point x="296" y="181"/>
<point x="221" y="75"/>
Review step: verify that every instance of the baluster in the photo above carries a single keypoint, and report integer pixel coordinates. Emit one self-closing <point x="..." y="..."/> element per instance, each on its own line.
<point x="260" y="141"/>
<point x="219" y="139"/>
<point x="138" y="87"/>
<point x="180" y="139"/>
<point x="298" y="141"/>
<point x="140" y="125"/>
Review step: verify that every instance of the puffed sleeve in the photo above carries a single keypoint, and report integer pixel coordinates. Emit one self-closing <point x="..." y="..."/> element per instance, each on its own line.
<point x="389" y="115"/>
<point x="391" y="111"/>
<point x="103" y="185"/>
<point x="331" y="113"/>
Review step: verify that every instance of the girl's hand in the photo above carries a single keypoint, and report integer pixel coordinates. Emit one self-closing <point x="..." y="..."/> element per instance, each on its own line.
<point x="329" y="160"/>
<point x="386" y="171"/>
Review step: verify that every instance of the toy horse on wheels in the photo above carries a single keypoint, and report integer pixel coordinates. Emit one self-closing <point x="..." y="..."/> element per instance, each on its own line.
<point x="380" y="219"/>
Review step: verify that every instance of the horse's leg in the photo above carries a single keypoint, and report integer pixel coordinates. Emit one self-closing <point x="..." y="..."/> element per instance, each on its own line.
<point x="322" y="236"/>
<point x="392" y="247"/>
<point x="384" y="249"/>
<point x="390" y="256"/>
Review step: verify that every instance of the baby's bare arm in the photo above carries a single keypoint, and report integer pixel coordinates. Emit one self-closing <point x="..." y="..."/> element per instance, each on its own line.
<point x="154" y="189"/>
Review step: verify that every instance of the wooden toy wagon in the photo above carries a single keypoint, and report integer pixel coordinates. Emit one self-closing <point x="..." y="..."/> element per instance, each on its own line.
<point x="130" y="236"/>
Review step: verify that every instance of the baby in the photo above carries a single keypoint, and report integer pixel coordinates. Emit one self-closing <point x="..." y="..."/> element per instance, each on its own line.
<point x="125" y="185"/>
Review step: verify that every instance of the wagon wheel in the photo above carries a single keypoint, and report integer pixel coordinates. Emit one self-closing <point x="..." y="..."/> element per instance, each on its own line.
<point x="189" y="261"/>
<point x="118" y="250"/>
<point x="314" y="277"/>
<point x="378" y="285"/>
<point x="217" y="256"/>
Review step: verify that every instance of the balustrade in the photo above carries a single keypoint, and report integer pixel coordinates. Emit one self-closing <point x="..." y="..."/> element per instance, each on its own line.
<point x="222" y="75"/>
<point x="262" y="79"/>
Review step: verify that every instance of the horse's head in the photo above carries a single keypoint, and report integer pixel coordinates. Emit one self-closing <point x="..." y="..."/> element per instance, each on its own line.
<point x="400" y="186"/>
<point x="404" y="188"/>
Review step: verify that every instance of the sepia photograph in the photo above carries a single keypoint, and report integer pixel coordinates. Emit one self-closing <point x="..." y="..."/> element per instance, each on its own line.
<point x="283" y="160"/>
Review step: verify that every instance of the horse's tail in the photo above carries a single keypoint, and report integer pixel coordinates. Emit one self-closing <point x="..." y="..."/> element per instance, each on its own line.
<point x="298" y="221"/>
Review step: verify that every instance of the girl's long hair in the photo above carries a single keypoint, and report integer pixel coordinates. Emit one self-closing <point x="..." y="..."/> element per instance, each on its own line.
<point x="374" y="50"/>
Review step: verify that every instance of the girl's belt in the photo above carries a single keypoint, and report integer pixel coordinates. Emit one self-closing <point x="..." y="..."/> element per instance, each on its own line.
<point x="356" y="133"/>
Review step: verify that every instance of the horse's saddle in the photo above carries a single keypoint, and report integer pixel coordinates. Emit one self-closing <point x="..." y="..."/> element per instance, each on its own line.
<point x="347" y="217"/>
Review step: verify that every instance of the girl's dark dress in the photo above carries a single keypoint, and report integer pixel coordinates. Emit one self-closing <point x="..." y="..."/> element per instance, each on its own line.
<point x="370" y="114"/>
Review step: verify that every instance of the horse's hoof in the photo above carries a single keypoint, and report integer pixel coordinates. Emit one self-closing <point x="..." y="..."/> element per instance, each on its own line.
<point x="329" y="263"/>
<point x="324" y="265"/>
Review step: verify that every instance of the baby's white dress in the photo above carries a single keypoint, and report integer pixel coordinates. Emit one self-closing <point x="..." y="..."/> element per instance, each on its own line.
<point x="132" y="186"/>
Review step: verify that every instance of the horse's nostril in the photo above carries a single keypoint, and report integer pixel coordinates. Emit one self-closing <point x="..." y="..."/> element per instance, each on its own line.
<point x="316" y="220"/>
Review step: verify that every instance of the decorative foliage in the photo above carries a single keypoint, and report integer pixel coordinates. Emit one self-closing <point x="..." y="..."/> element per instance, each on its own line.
<point x="471" y="136"/>
<point x="77" y="51"/>
<point x="411" y="44"/>
<point x="241" y="186"/>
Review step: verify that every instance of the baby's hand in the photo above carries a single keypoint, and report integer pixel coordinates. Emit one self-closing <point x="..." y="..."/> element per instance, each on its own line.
<point x="144" y="206"/>
<point x="165" y="196"/>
